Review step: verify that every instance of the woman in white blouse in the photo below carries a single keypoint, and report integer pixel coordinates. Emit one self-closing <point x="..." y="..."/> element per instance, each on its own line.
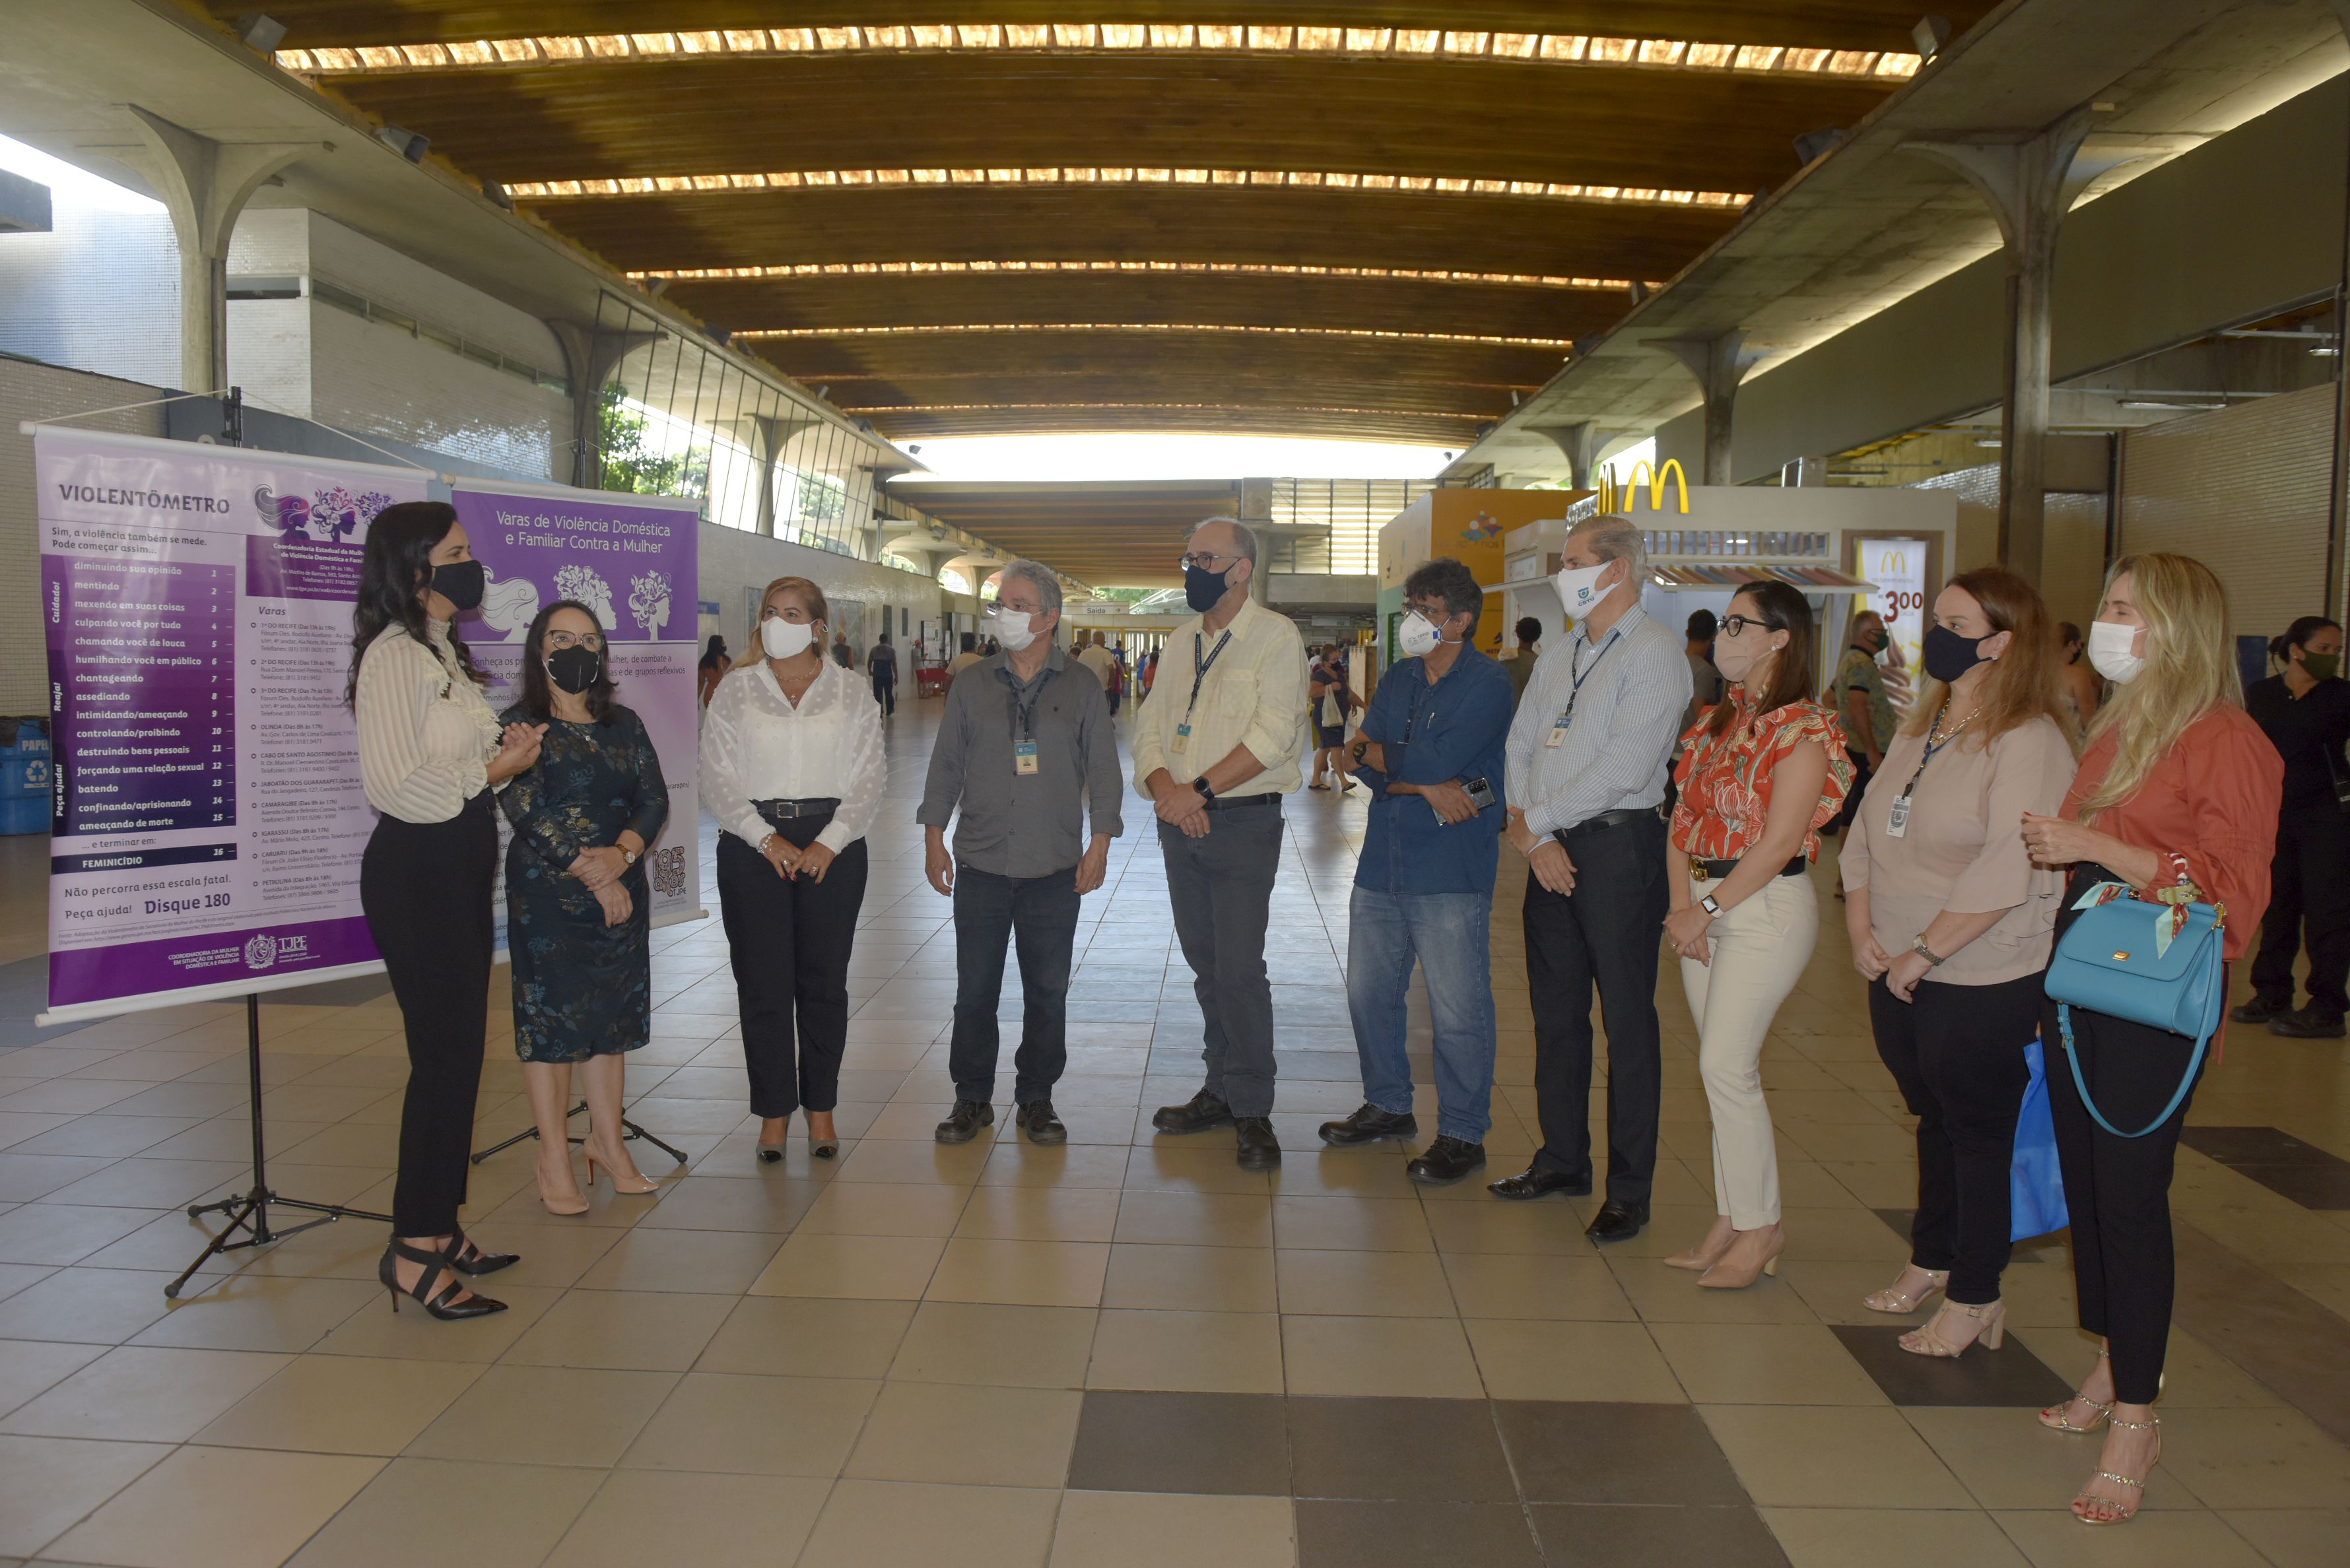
<point x="430" y="752"/>
<point x="792" y="767"/>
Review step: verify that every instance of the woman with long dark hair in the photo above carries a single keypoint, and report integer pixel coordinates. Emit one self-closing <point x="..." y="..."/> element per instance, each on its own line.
<point x="1950" y="925"/>
<point x="2305" y="712"/>
<point x="712" y="670"/>
<point x="1759" y="778"/>
<point x="2176" y="800"/>
<point x="792" y="768"/>
<point x="430" y="754"/>
<point x="576" y="903"/>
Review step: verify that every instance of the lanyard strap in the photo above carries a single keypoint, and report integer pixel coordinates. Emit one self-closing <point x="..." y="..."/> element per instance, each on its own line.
<point x="1933" y="746"/>
<point x="1199" y="670"/>
<point x="1578" y="675"/>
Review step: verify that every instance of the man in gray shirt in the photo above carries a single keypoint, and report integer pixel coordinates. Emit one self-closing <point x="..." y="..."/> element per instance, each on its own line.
<point x="1027" y="750"/>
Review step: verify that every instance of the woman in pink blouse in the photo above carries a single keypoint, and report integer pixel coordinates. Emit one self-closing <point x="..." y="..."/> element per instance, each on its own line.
<point x="1950" y="924"/>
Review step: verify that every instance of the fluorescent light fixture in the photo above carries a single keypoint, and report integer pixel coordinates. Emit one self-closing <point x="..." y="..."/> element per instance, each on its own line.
<point x="1276" y="269"/>
<point x="1482" y="341"/>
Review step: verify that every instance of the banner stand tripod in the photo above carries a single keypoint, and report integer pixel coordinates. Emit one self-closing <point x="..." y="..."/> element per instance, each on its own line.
<point x="250" y="1213"/>
<point x="629" y="1133"/>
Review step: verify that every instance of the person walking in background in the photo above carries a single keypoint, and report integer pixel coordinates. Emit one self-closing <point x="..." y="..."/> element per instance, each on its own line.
<point x="713" y="670"/>
<point x="2076" y="682"/>
<point x="430" y="752"/>
<point x="1093" y="654"/>
<point x="1332" y="697"/>
<point x="1216" y="755"/>
<point x="1705" y="680"/>
<point x="842" y="654"/>
<point x="792" y="768"/>
<point x="2177" y="797"/>
<point x="1520" y="669"/>
<point x="1025" y="755"/>
<point x="1763" y="773"/>
<point x="1431" y="750"/>
<point x="967" y="656"/>
<point x="1862" y="705"/>
<point x="1950" y="926"/>
<point x="579" y="913"/>
<point x="2305" y="713"/>
<point x="881" y="664"/>
<point x="1588" y="751"/>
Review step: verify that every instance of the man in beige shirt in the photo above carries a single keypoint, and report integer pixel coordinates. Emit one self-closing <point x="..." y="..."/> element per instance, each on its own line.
<point x="1095" y="658"/>
<point x="1216" y="746"/>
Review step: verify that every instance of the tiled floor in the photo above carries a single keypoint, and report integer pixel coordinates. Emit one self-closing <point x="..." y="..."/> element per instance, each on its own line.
<point x="1122" y="1352"/>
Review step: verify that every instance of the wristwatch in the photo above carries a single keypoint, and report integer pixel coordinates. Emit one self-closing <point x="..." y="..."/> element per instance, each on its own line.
<point x="1206" y="791"/>
<point x="1933" y="959"/>
<point x="1709" y="907"/>
<point x="627" y="856"/>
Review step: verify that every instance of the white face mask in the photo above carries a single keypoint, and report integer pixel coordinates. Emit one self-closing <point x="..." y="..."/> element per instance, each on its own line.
<point x="2109" y="651"/>
<point x="1418" y="636"/>
<point x="1579" y="590"/>
<point x="784" y="638"/>
<point x="1012" y="630"/>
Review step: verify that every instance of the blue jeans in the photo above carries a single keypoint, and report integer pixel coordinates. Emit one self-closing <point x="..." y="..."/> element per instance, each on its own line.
<point x="1447" y="933"/>
<point x="1039" y="916"/>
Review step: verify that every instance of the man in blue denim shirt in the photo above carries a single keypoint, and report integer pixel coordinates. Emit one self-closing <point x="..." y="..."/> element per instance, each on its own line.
<point x="1431" y="749"/>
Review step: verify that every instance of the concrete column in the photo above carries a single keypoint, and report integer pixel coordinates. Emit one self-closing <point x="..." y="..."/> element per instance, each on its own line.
<point x="592" y="354"/>
<point x="204" y="185"/>
<point x="1580" y="441"/>
<point x="770" y="433"/>
<point x="2029" y="183"/>
<point x="2337" y="505"/>
<point x="1719" y="363"/>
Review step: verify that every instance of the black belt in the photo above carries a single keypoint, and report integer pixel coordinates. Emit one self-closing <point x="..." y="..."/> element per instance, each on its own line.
<point x="1715" y="870"/>
<point x="1608" y="819"/>
<point x="785" y="810"/>
<point x="1240" y="802"/>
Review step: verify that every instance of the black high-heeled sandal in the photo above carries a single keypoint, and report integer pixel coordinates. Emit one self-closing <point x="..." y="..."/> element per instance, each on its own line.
<point x="467" y="1258"/>
<point x="441" y="1303"/>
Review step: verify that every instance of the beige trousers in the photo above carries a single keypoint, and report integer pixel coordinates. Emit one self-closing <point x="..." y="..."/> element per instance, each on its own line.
<point x="1759" y="950"/>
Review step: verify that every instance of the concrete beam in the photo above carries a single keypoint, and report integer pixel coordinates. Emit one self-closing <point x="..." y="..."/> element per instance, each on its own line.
<point x="204" y="186"/>
<point x="1720" y="363"/>
<point x="1580" y="442"/>
<point x="591" y="355"/>
<point x="2029" y="184"/>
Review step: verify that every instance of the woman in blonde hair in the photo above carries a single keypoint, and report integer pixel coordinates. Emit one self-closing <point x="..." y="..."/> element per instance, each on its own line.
<point x="2177" y="792"/>
<point x="1950" y="923"/>
<point x="793" y="769"/>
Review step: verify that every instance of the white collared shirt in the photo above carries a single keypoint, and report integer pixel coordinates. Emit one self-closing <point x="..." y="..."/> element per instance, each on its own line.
<point x="1253" y="696"/>
<point x="755" y="745"/>
<point x="426" y="733"/>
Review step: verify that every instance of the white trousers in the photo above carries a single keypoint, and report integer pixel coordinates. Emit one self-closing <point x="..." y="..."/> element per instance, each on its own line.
<point x="1759" y="950"/>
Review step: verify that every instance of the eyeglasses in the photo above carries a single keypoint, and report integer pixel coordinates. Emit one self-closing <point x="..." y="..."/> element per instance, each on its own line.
<point x="1205" y="562"/>
<point x="1735" y="625"/>
<point x="592" y="641"/>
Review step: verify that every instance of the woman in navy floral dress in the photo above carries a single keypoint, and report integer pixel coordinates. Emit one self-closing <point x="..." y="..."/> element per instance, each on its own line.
<point x="577" y="902"/>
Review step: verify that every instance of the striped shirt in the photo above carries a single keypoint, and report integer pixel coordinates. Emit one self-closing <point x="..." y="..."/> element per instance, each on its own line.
<point x="1617" y="752"/>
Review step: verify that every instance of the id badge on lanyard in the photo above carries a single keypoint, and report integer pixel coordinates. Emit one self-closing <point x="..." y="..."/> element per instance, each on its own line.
<point x="1023" y="757"/>
<point x="1182" y="741"/>
<point x="1896" y="820"/>
<point x="1567" y="719"/>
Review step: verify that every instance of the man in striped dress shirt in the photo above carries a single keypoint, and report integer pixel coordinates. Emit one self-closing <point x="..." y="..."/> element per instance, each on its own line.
<point x="1589" y="754"/>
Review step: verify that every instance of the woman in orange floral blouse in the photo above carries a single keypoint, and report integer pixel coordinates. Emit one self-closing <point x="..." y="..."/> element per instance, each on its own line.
<point x="1759" y="778"/>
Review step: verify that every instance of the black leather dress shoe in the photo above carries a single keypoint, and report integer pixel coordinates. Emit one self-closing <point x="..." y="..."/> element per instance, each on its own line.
<point x="1537" y="1182"/>
<point x="1198" y="1114"/>
<point x="963" y="1124"/>
<point x="1370" y="1124"/>
<point x="1616" y="1221"/>
<point x="1260" y="1150"/>
<point x="2309" y="1024"/>
<point x="2260" y="1009"/>
<point x="1036" y="1119"/>
<point x="1446" y="1161"/>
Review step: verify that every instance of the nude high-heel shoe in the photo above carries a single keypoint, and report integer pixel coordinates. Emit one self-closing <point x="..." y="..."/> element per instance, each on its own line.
<point x="1737" y="1273"/>
<point x="612" y="1170"/>
<point x="1709" y="1251"/>
<point x="1991" y="1330"/>
<point x="563" y="1205"/>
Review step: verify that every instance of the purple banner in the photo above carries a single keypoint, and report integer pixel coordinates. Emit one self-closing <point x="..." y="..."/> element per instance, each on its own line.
<point x="216" y="958"/>
<point x="298" y="568"/>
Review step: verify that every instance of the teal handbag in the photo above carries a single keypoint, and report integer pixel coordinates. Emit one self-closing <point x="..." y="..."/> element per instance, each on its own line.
<point x="2155" y="964"/>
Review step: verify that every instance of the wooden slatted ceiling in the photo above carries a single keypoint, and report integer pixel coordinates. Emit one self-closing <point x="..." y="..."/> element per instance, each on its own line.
<point x="1433" y="117"/>
<point x="1828" y="24"/>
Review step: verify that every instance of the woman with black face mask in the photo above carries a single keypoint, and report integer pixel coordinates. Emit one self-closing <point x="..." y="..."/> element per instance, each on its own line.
<point x="2305" y="712"/>
<point x="577" y="901"/>
<point x="430" y="754"/>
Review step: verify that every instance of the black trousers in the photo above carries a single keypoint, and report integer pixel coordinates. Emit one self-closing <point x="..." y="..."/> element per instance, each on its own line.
<point x="2118" y="1188"/>
<point x="1861" y="774"/>
<point x="788" y="942"/>
<point x="886" y="693"/>
<point x="1221" y="890"/>
<point x="1957" y="1051"/>
<point x="425" y="889"/>
<point x="1039" y="913"/>
<point x="2309" y="881"/>
<point x="1607" y="933"/>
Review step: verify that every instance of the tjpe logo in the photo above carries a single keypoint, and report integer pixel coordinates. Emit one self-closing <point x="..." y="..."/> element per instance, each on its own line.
<point x="261" y="953"/>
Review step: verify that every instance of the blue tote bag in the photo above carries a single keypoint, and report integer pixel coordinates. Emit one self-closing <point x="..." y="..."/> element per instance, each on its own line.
<point x="2035" y="1185"/>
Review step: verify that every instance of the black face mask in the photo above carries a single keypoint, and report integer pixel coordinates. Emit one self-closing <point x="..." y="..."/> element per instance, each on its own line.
<point x="461" y="583"/>
<point x="1204" y="591"/>
<point x="575" y="670"/>
<point x="1949" y="655"/>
